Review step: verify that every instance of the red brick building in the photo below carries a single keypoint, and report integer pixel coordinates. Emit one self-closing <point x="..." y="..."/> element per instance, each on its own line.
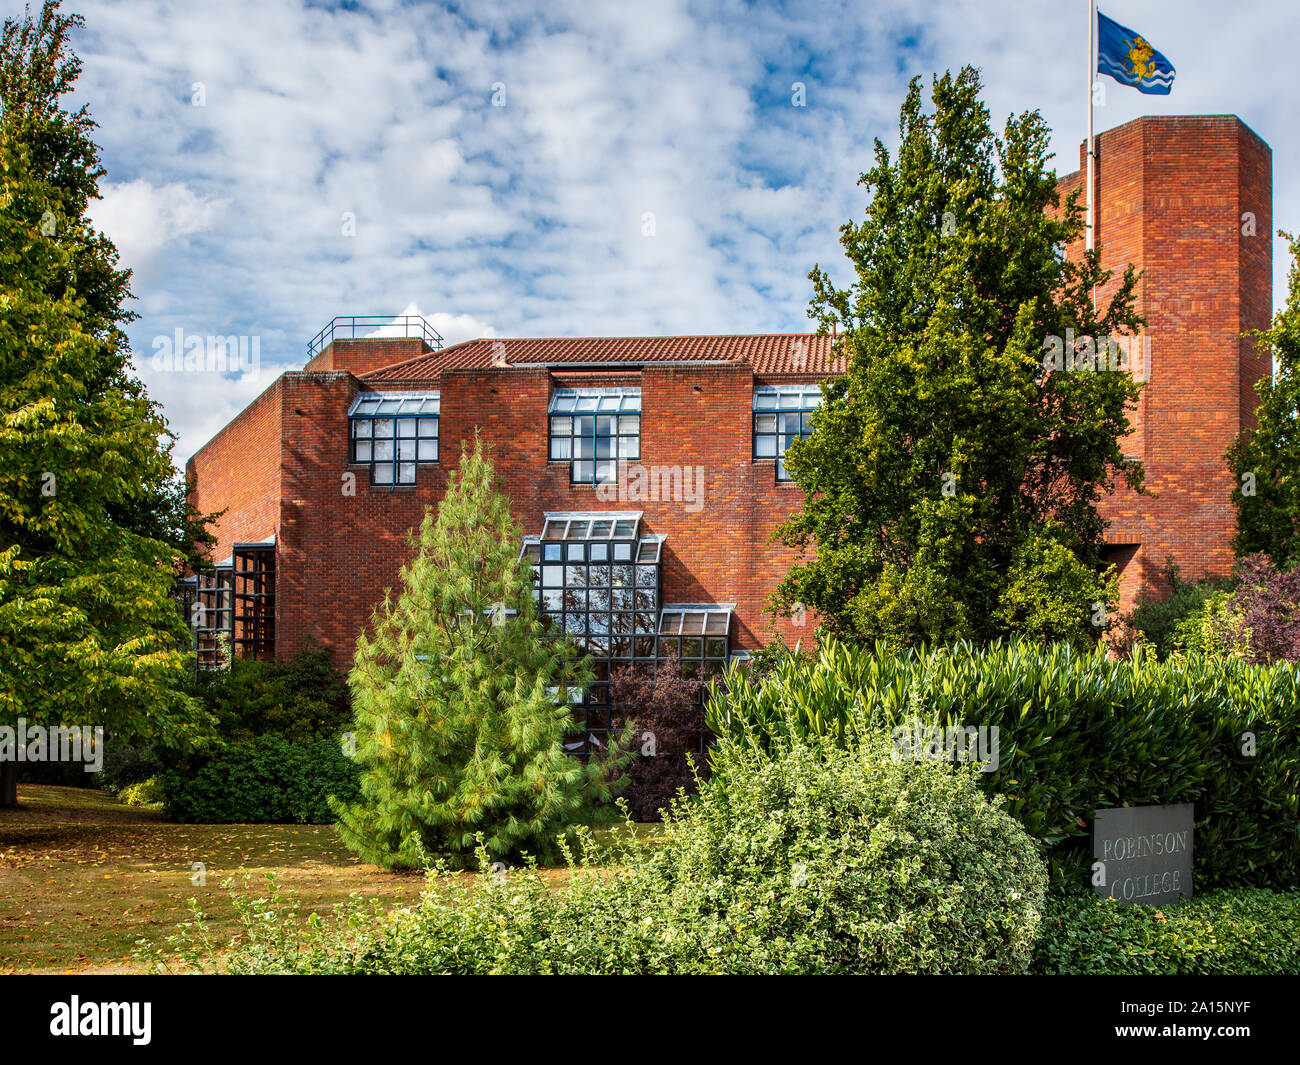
<point x="322" y="476"/>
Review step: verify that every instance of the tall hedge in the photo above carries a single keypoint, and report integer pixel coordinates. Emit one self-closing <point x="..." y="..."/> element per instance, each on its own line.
<point x="265" y="780"/>
<point x="1076" y="732"/>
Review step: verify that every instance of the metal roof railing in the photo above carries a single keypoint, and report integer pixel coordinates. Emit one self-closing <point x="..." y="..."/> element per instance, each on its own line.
<point x="380" y="326"/>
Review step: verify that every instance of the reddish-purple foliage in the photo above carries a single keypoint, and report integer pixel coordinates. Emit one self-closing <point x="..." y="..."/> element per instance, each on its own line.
<point x="1268" y="602"/>
<point x="666" y="707"/>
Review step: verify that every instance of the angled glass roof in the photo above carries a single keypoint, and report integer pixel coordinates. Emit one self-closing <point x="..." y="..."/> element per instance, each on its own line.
<point x="598" y="525"/>
<point x="595" y="401"/>
<point x="695" y="619"/>
<point x="787" y="397"/>
<point x="395" y="405"/>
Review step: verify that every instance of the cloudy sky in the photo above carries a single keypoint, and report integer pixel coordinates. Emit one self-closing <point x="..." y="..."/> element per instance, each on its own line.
<point x="498" y="166"/>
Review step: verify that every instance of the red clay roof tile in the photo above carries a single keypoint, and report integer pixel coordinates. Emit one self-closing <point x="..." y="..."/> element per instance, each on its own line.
<point x="766" y="353"/>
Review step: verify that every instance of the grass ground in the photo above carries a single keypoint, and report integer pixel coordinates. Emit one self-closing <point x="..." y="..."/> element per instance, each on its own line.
<point x="83" y="877"/>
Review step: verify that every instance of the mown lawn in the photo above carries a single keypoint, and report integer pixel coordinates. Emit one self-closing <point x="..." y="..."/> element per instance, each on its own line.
<point x="83" y="877"/>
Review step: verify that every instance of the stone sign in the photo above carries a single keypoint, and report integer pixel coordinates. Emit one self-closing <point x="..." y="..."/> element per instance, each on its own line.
<point x="1143" y="854"/>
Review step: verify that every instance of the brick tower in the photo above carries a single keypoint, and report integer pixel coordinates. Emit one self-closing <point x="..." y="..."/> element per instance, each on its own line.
<point x="1188" y="201"/>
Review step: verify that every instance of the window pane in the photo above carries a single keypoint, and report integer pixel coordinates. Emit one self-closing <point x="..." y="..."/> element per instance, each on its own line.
<point x="629" y="423"/>
<point x="625" y="527"/>
<point x="382" y="473"/>
<point x="428" y="451"/>
<point x="765" y="447"/>
<point x="584" y="447"/>
<point x="575" y="553"/>
<point x="406" y="473"/>
<point x="606" y="472"/>
<point x="765" y="401"/>
<point x="361" y="426"/>
<point x="383" y="450"/>
<point x="561" y="446"/>
<point x="764" y="423"/>
<point x="604" y="447"/>
<point x="629" y="447"/>
<point x="605" y="425"/>
<point x="362" y="451"/>
<point x="429" y="427"/>
<point x="406" y="450"/>
<point x="583" y="472"/>
<point x="383" y="427"/>
<point x="600" y="553"/>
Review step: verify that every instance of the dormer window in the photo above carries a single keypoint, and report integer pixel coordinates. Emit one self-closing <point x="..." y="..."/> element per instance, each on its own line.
<point x="592" y="429"/>
<point x="392" y="432"/>
<point x="782" y="414"/>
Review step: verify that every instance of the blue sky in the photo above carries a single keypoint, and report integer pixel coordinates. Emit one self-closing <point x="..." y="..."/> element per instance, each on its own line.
<point x="530" y="219"/>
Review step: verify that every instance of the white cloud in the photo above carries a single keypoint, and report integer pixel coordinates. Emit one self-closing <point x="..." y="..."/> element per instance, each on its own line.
<point x="145" y="220"/>
<point x="527" y="219"/>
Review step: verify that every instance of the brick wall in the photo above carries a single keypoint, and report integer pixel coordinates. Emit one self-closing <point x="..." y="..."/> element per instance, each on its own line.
<point x="238" y="471"/>
<point x="338" y="553"/>
<point x="1172" y="193"/>
<point x="363" y="354"/>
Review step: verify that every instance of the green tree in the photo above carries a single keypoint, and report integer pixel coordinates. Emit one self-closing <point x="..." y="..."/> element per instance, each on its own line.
<point x="93" y="522"/>
<point x="1266" y="459"/>
<point x="461" y="701"/>
<point x="951" y="481"/>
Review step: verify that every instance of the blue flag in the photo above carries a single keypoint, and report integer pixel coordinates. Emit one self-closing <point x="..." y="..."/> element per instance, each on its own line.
<point x="1130" y="60"/>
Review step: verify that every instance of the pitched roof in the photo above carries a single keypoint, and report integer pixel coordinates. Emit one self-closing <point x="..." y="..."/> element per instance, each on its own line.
<point x="766" y="353"/>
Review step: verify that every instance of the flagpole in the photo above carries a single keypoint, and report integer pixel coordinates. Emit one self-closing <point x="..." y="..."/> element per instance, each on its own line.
<point x="1092" y="73"/>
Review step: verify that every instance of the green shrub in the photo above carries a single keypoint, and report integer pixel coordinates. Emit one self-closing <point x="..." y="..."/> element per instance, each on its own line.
<point x="265" y="780"/>
<point x="1159" y="619"/>
<point x="1076" y="732"/>
<point x="1249" y="931"/>
<point x="811" y="859"/>
<point x="299" y="699"/>
<point x="276" y="755"/>
<point x="145" y="793"/>
<point x="126" y="764"/>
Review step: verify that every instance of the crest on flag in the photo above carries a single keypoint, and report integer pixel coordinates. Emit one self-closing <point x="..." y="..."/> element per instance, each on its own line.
<point x="1130" y="59"/>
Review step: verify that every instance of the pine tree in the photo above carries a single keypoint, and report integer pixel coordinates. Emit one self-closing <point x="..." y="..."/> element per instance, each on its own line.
<point x="93" y="525"/>
<point x="461" y="702"/>
<point x="951" y="482"/>
<point x="1266" y="459"/>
